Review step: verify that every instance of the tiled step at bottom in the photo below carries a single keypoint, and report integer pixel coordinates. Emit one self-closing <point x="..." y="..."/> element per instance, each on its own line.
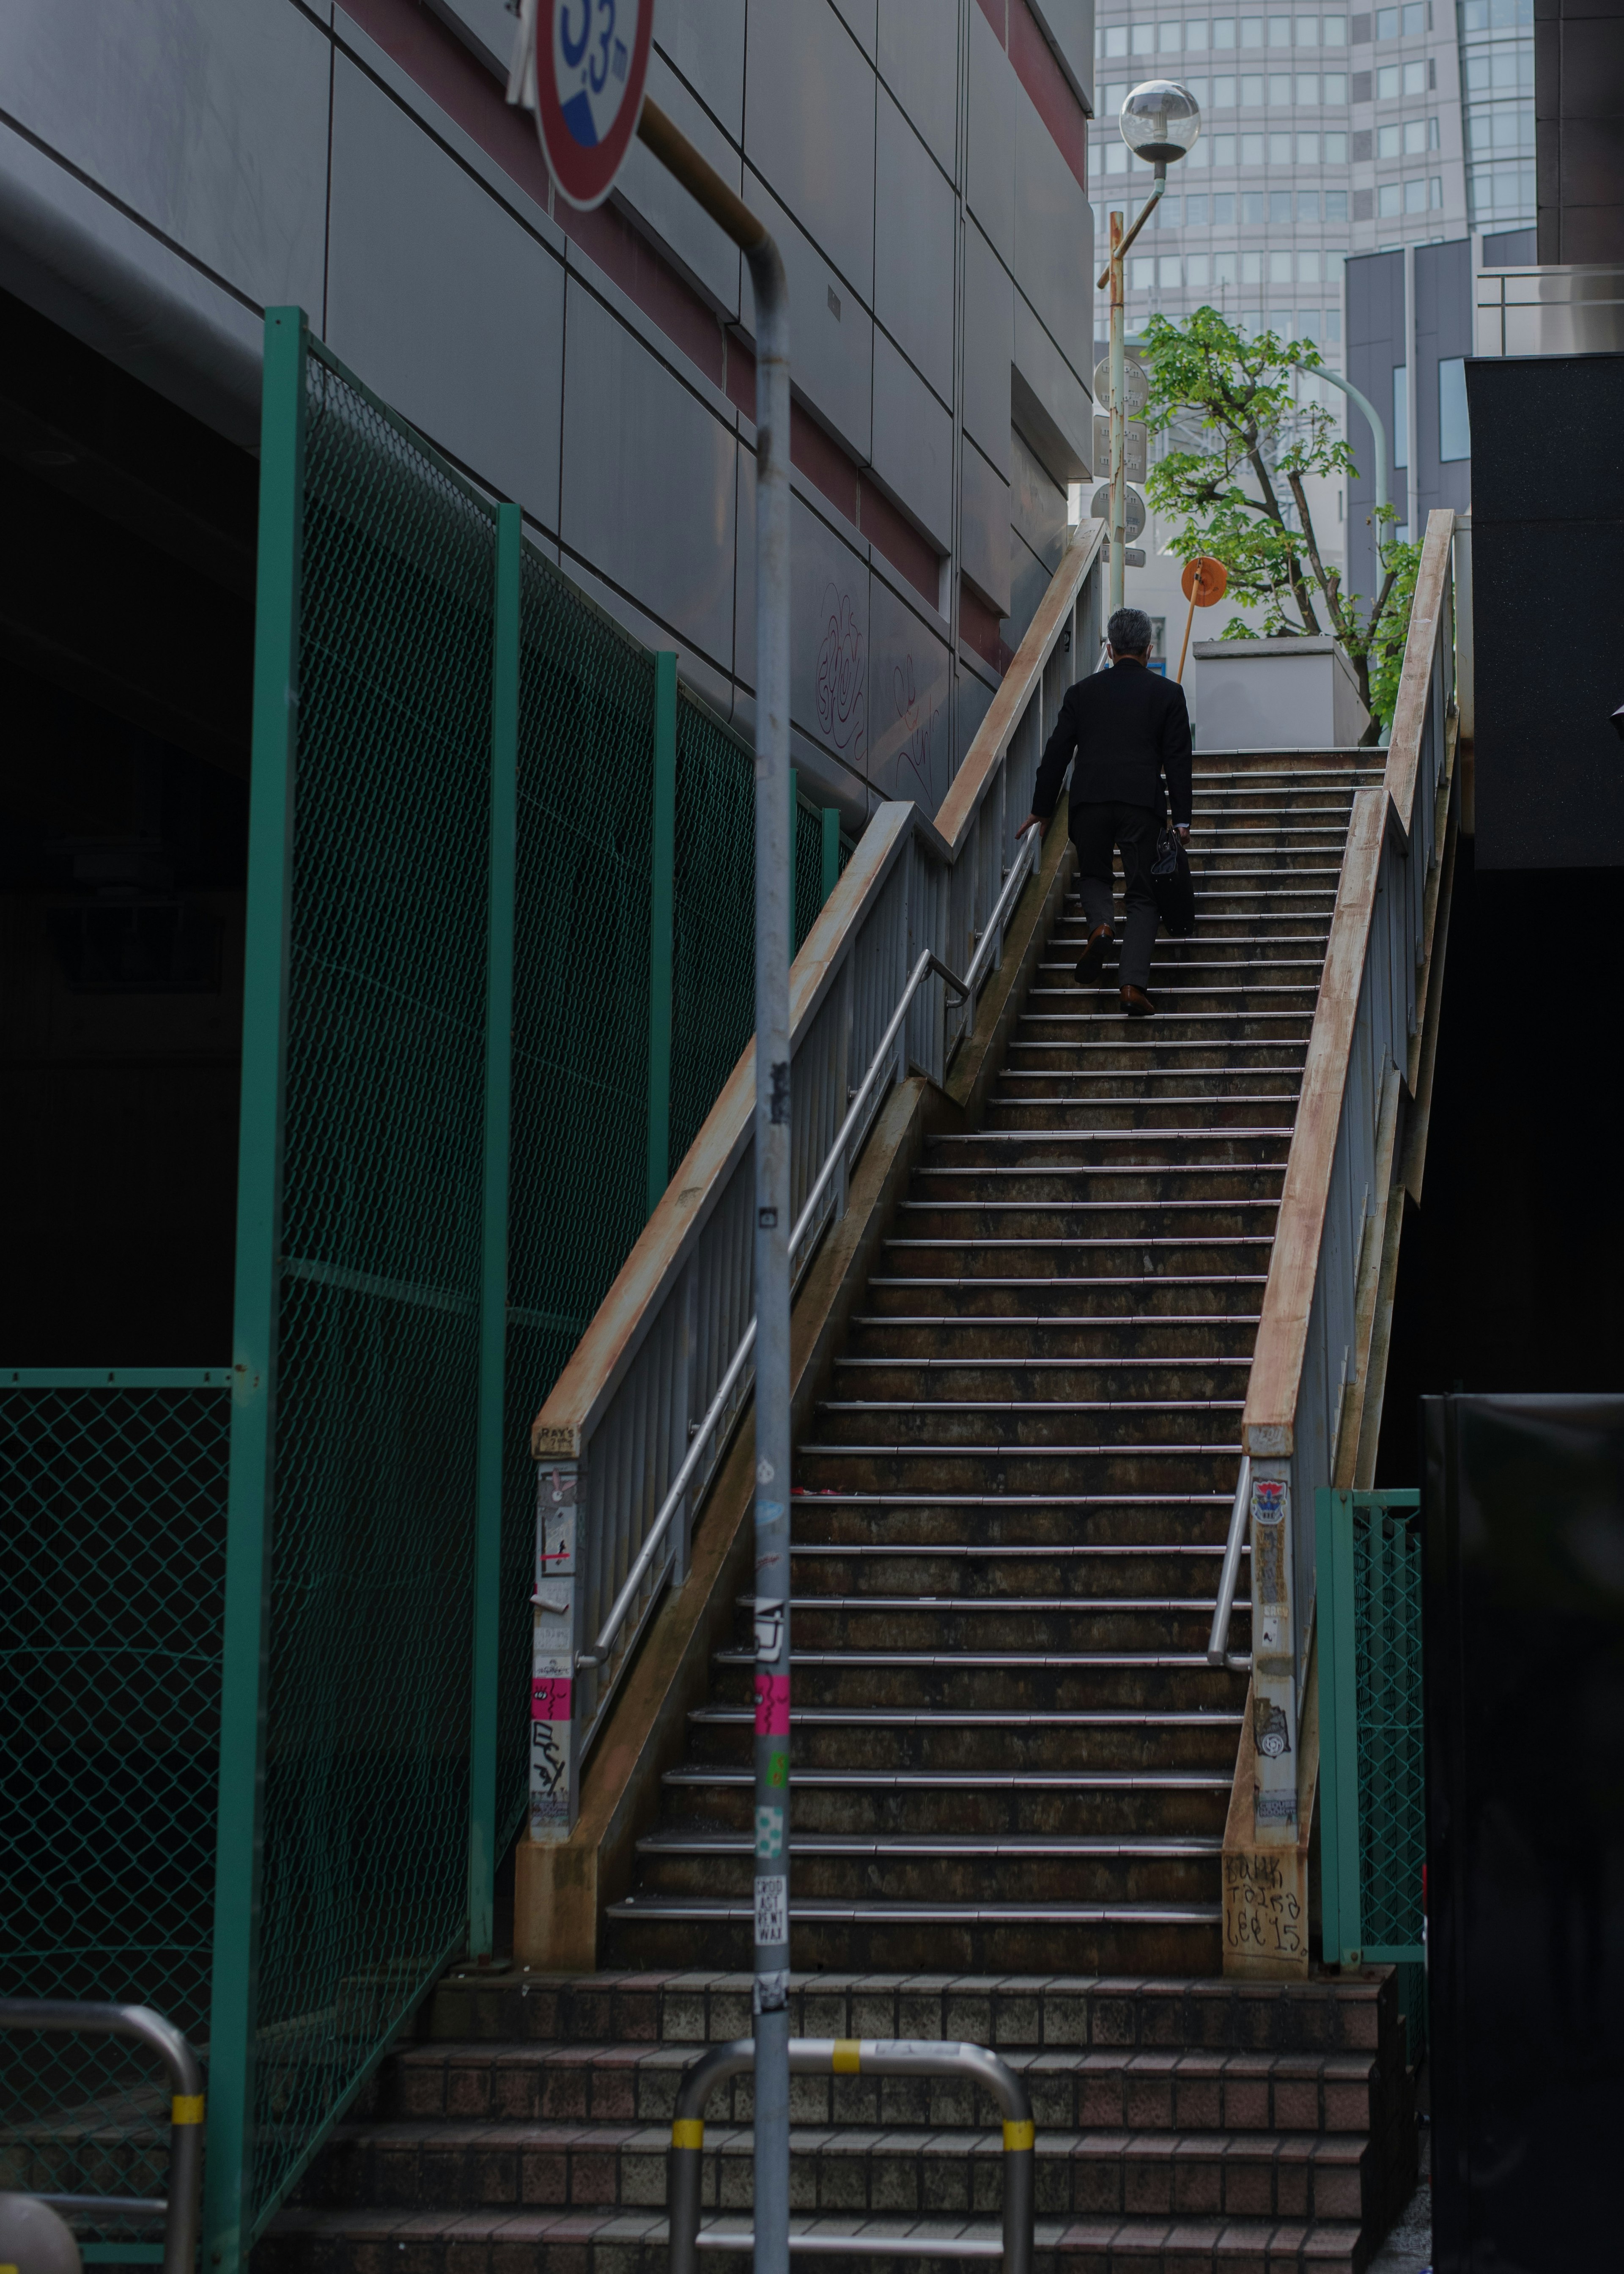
<point x="576" y="2242"/>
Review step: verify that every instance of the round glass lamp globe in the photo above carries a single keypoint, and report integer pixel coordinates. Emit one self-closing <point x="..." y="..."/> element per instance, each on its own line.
<point x="1160" y="120"/>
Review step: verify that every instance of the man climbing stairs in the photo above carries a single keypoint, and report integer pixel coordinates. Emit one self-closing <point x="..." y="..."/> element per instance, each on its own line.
<point x="1011" y="1760"/>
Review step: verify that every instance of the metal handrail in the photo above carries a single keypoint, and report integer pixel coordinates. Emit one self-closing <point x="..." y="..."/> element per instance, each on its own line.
<point x="854" y="2057"/>
<point x="1218" y="1651"/>
<point x="928" y="966"/>
<point x="179" y="2209"/>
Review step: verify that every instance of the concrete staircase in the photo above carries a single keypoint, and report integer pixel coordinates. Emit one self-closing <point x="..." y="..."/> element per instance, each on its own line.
<point x="1012" y="1762"/>
<point x="1009" y="1750"/>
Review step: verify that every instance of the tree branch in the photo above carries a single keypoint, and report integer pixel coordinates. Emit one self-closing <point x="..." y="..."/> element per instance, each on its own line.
<point x="1299" y="592"/>
<point x="1327" y="586"/>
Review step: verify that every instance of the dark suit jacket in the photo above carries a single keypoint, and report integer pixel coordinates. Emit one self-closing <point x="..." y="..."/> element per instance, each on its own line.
<point x="1126" y="727"/>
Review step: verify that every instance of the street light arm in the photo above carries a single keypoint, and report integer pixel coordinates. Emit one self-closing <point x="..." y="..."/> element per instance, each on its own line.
<point x="1140" y="220"/>
<point x="1377" y="428"/>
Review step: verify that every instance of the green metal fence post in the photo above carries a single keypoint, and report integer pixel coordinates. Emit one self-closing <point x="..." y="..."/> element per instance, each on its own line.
<point x="250" y="1516"/>
<point x="662" y="903"/>
<point x="831" y="848"/>
<point x="483" y="1729"/>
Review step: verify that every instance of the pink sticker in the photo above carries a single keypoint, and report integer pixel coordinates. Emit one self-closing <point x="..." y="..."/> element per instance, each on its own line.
<point x="772" y="1705"/>
<point x="550" y="1696"/>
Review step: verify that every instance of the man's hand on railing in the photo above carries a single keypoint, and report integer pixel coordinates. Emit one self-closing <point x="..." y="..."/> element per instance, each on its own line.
<point x="1033" y="821"/>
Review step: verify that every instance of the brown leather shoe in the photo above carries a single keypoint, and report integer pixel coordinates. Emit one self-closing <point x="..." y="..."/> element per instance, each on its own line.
<point x="1091" y="963"/>
<point x="1137" y="1004"/>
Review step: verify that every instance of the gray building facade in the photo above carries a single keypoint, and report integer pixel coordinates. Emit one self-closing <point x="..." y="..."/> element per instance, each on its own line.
<point x="1410" y="331"/>
<point x="166" y="172"/>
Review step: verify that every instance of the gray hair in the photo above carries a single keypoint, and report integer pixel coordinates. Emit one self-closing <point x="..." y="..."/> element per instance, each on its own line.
<point x="1130" y="632"/>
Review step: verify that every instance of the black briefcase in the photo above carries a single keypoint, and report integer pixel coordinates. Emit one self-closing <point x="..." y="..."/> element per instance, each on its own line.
<point x="1172" y="884"/>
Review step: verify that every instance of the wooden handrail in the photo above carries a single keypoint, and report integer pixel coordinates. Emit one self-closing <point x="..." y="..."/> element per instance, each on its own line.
<point x="600" y="1359"/>
<point x="985" y="754"/>
<point x="1415" y="672"/>
<point x="1287" y="1296"/>
<point x="1268" y="1421"/>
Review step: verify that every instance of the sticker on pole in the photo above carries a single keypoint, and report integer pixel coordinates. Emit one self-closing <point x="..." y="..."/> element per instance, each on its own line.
<point x="580" y="65"/>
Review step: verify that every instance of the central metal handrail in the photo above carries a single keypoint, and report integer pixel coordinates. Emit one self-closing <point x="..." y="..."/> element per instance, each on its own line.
<point x="1218" y="1652"/>
<point x="179" y="2209"/>
<point x="854" y="2057"/>
<point x="929" y="966"/>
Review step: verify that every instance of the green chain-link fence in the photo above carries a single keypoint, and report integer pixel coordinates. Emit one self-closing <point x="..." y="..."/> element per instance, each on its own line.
<point x="1372" y="1779"/>
<point x="363" y="1573"/>
<point x="114" y="1486"/>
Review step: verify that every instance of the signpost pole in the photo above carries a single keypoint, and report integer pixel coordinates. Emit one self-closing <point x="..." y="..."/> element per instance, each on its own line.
<point x="1119" y="417"/>
<point x="769" y="2001"/>
<point x="559" y="96"/>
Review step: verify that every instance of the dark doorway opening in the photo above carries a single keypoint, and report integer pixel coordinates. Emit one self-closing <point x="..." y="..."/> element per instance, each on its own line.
<point x="126" y="656"/>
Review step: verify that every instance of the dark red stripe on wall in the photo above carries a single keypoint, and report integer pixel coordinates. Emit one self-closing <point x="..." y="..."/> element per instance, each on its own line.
<point x="436" y="60"/>
<point x="1037" y="67"/>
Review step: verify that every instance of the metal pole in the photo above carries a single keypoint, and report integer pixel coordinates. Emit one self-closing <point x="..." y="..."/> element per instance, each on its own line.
<point x="485" y="1712"/>
<point x="662" y="920"/>
<point x="1112" y="274"/>
<point x="1378" y="430"/>
<point x="1119" y="418"/>
<point x="769" y="2002"/>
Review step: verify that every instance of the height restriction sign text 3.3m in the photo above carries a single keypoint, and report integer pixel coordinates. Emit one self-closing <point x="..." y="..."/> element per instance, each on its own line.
<point x="580" y="65"/>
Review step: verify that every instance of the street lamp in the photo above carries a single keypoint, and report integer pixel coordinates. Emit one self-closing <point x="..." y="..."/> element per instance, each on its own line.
<point x="1160" y="122"/>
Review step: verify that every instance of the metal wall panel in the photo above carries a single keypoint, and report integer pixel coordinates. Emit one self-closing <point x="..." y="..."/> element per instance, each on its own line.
<point x="711" y="259"/>
<point x="829" y="638"/>
<point x="1053" y="236"/>
<point x="207" y="118"/>
<point x="704" y="40"/>
<point x="974" y="702"/>
<point x="1070" y="27"/>
<point x="831" y="346"/>
<point x="440" y="300"/>
<point x="1028" y="582"/>
<point x="990" y="183"/>
<point x="1052" y="402"/>
<point x="910" y="749"/>
<point x="1374" y="288"/>
<point x="485" y="25"/>
<point x="1037" y="505"/>
<point x="918" y="56"/>
<point x="860" y="15"/>
<point x="984" y="529"/>
<point x="912" y="248"/>
<point x="648" y="486"/>
<point x="913" y="443"/>
<point x="808" y="128"/>
<point x="989" y="347"/>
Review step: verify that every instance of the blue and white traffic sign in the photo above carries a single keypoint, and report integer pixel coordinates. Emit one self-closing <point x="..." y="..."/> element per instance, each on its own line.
<point x="581" y="64"/>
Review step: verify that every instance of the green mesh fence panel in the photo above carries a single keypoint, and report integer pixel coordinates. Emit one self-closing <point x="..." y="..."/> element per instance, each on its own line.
<point x="581" y="1033"/>
<point x="713" y="958"/>
<point x="114" y="1484"/>
<point x="365" y="1865"/>
<point x="1387" y="1579"/>
<point x="807" y="868"/>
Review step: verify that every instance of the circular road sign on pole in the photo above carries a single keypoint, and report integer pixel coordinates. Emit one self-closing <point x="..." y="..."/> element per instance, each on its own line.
<point x="590" y="60"/>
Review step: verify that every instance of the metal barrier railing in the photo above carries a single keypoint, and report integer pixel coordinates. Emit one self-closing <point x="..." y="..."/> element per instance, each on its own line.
<point x="179" y="2209"/>
<point x="1362" y="1067"/>
<point x="1218" y="1651"/>
<point x="851" y="2057"/>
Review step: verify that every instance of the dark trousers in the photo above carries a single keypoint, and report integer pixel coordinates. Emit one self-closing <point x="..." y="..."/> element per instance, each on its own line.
<point x="1095" y="828"/>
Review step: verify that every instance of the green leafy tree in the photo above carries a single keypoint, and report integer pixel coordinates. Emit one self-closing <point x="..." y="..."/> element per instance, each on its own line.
<point x="1239" y="493"/>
